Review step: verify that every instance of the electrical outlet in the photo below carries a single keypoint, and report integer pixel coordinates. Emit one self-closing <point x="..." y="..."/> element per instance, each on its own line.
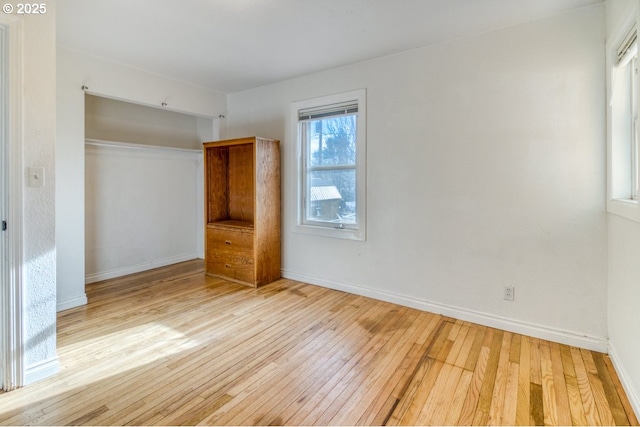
<point x="509" y="292"/>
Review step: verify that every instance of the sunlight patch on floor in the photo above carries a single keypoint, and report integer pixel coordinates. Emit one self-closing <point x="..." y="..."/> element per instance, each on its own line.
<point x="136" y="346"/>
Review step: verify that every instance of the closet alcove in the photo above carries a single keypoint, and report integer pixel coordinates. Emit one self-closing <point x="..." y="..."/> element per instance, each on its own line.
<point x="143" y="186"/>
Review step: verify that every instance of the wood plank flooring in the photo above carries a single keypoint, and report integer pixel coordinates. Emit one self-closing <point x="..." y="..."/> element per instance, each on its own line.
<point x="173" y="347"/>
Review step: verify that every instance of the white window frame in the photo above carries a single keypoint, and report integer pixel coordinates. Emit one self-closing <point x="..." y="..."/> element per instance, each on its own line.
<point x="623" y="157"/>
<point x="357" y="231"/>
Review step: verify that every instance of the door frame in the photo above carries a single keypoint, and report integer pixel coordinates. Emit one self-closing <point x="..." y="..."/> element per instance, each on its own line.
<point x="12" y="350"/>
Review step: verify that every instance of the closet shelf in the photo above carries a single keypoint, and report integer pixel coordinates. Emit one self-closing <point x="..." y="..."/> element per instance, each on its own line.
<point x="135" y="146"/>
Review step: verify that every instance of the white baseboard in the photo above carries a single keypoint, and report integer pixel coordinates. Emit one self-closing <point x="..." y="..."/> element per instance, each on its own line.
<point x="104" y="275"/>
<point x="72" y="303"/>
<point x="629" y="387"/>
<point x="42" y="370"/>
<point x="485" y="319"/>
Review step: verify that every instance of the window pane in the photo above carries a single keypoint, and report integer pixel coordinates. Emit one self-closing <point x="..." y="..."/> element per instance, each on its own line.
<point x="331" y="141"/>
<point x="331" y="196"/>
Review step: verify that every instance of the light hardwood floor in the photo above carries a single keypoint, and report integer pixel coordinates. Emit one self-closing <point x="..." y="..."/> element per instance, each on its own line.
<point x="171" y="346"/>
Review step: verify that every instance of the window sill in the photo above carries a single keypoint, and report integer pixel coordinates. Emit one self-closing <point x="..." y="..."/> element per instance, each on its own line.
<point x="625" y="208"/>
<point x="336" y="233"/>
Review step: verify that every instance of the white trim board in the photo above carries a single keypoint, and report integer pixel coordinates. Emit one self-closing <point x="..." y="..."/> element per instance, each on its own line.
<point x="633" y="393"/>
<point x="118" y="272"/>
<point x="41" y="370"/>
<point x="72" y="302"/>
<point x="485" y="319"/>
<point x="12" y="298"/>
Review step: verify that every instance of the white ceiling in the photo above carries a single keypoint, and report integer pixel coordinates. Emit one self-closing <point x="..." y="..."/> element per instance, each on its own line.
<point x="233" y="45"/>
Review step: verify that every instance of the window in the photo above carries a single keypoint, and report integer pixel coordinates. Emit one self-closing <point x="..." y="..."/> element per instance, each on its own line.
<point x="623" y="148"/>
<point x="331" y="180"/>
<point x="625" y="117"/>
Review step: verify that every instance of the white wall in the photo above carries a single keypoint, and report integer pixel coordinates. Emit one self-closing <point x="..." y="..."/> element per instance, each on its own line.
<point x="624" y="301"/>
<point x="485" y="169"/>
<point x="624" y="265"/>
<point x="37" y="143"/>
<point x="141" y="209"/>
<point x="111" y="80"/>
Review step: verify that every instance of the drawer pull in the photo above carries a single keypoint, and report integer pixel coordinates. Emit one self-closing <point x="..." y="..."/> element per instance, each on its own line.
<point x="227" y="266"/>
<point x="227" y="242"/>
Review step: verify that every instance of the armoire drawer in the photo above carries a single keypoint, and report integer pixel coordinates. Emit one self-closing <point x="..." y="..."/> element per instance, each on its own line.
<point x="233" y="266"/>
<point x="230" y="241"/>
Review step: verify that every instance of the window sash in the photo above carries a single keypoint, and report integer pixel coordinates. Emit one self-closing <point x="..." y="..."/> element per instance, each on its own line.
<point x="309" y="169"/>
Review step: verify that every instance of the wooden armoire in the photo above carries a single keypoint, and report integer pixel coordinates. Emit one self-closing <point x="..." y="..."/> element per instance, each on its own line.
<point x="242" y="210"/>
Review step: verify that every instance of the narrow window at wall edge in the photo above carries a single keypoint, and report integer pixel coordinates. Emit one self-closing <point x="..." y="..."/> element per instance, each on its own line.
<point x="331" y="155"/>
<point x="624" y="153"/>
<point x="627" y="56"/>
